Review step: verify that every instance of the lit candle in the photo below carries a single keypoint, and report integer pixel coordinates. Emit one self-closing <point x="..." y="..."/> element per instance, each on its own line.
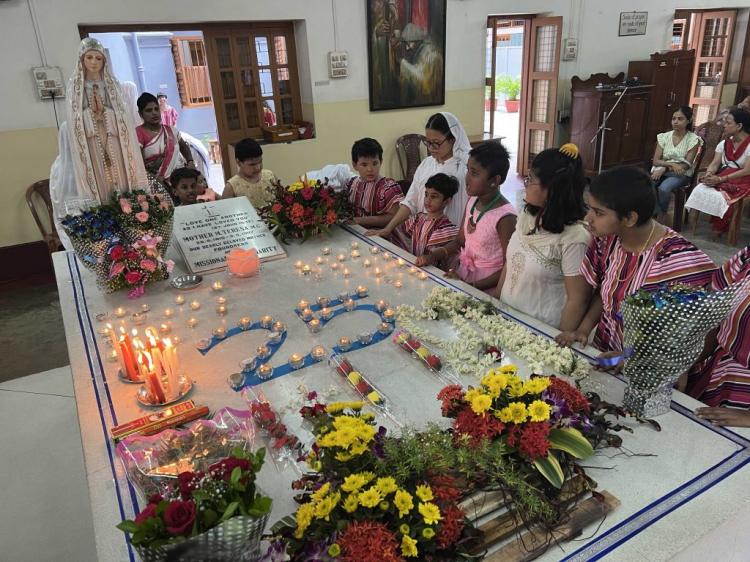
<point x="279" y="327"/>
<point x="249" y="364"/>
<point x="221" y="310"/>
<point x="334" y="266"/>
<point x="355" y="254"/>
<point x="138" y="318"/>
<point x="386" y="256"/>
<point x="165" y="329"/>
<point x="179" y="299"/>
<point x="361" y="291"/>
<point x="113" y="356"/>
<point x="245" y="322"/>
<point x="326" y="313"/>
<point x="389" y="315"/>
<point x="298" y="264"/>
<point x="397" y="283"/>
<point x="401" y="262"/>
<point x="325" y="251"/>
<point x="263" y="352"/>
<point x="349" y="305"/>
<point x="169" y="358"/>
<point x="347" y="273"/>
<point x="120" y="312"/>
<point x="273" y="337"/>
<point x="217" y="286"/>
<point x="221" y="300"/>
<point x="307" y="314"/>
<point x="319" y="260"/>
<point x="413" y="270"/>
<point x="306" y="269"/>
<point x="195" y="305"/>
<point x="378" y="272"/>
<point x="341" y="257"/>
<point x="168" y="313"/>
<point x="343" y="296"/>
<point x="366" y="263"/>
<point x="296" y="360"/>
<point x="128" y="356"/>
<point x="345" y="343"/>
<point x="220" y="333"/>
<point x="354" y="245"/>
<point x="266" y="321"/>
<point x="203" y="344"/>
<point x="423" y="275"/>
<point x="176" y="340"/>
<point x="145" y="307"/>
<point x="302" y="305"/>
<point x="385" y="328"/>
<point x="381" y="305"/>
<point x="374" y="250"/>
<point x="192" y="322"/>
<point x="365" y="338"/>
<point x="324" y="301"/>
<point x="314" y="325"/>
<point x="318" y="353"/>
<point x="265" y="372"/>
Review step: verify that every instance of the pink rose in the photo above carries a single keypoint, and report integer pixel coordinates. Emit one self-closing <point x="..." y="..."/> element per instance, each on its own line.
<point x="132" y="277"/>
<point x="144" y="206"/>
<point x="141" y="198"/>
<point x="116" y="268"/>
<point x="142" y="217"/>
<point x="170" y="265"/>
<point x="148" y="265"/>
<point x="164" y="205"/>
<point x="125" y="206"/>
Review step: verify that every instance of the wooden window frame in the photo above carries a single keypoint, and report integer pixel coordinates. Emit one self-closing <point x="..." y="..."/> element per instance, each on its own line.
<point x="184" y="84"/>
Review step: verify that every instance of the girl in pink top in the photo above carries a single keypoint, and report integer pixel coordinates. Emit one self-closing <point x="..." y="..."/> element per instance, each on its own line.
<point x="488" y="221"/>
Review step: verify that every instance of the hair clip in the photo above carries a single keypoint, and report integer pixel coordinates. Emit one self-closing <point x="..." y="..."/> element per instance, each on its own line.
<point x="570" y="150"/>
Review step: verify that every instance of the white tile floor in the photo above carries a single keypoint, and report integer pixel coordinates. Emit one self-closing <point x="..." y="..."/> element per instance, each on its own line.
<point x="45" y="513"/>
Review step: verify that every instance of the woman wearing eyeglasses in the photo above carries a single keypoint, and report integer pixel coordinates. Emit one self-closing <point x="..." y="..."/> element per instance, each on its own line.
<point x="448" y="148"/>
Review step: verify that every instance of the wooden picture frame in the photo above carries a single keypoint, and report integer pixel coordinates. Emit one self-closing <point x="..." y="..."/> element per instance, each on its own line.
<point x="406" y="53"/>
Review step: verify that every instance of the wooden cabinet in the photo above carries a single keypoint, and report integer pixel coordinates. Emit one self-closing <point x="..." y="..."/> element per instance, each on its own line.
<point x="626" y="126"/>
<point x="671" y="74"/>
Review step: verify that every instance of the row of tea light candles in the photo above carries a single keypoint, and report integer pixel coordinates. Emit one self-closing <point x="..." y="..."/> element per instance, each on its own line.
<point x="148" y="362"/>
<point x="139" y="317"/>
<point x="306" y="269"/>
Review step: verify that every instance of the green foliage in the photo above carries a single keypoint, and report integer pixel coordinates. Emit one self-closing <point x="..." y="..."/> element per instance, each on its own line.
<point x="571" y="441"/>
<point x="550" y="468"/>
<point x="510" y="86"/>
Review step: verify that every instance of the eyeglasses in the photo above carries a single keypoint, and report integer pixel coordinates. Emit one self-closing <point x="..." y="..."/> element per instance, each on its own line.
<point x="433" y="144"/>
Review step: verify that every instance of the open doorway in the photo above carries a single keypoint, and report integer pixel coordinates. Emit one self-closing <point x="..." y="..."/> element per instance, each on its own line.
<point x="172" y="64"/>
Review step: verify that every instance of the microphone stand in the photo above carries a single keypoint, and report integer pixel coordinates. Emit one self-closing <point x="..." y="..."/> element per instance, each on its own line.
<point x="603" y="127"/>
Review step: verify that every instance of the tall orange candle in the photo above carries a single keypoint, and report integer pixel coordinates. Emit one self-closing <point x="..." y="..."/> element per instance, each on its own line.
<point x="128" y="357"/>
<point x="154" y="387"/>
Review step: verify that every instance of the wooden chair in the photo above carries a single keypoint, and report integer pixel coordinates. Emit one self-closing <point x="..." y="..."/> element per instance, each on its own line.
<point x="40" y="190"/>
<point x="408" y="150"/>
<point x="711" y="133"/>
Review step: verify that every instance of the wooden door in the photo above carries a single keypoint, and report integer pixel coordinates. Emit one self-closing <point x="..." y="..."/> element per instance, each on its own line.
<point x="713" y="46"/>
<point x="634" y="123"/>
<point x="613" y="135"/>
<point x="539" y="89"/>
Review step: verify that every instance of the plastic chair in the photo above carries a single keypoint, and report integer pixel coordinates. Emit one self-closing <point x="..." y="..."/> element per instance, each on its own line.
<point x="40" y="189"/>
<point x="408" y="150"/>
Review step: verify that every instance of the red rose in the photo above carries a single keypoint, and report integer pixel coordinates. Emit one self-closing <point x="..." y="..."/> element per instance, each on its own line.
<point x="188" y="482"/>
<point x="155" y="498"/>
<point x="131" y="255"/>
<point x="223" y="469"/>
<point x="148" y="512"/>
<point x="132" y="277"/>
<point x="179" y="517"/>
<point x="116" y="252"/>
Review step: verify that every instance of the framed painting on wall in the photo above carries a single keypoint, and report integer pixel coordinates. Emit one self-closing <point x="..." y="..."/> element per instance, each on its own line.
<point x="406" y="53"/>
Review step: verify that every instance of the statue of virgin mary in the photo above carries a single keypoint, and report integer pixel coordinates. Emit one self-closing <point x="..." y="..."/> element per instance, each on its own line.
<point x="99" y="150"/>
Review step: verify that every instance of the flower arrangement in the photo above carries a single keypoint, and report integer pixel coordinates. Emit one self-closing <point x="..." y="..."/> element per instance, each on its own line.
<point x="304" y="209"/>
<point x="142" y="210"/>
<point x="359" y="382"/>
<point x="199" y="501"/>
<point x="93" y="225"/>
<point x="133" y="266"/>
<point x="351" y="511"/>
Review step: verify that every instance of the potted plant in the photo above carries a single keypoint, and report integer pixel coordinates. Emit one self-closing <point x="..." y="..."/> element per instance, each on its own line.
<point x="509" y="86"/>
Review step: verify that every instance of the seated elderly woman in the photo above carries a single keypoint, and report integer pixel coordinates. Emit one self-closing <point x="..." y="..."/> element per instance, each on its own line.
<point x="727" y="179"/>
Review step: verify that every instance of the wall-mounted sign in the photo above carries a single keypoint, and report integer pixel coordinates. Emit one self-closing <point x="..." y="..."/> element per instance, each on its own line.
<point x="633" y="23"/>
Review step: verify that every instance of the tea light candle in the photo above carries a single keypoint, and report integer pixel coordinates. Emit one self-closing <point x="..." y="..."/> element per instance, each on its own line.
<point x="345" y="343"/>
<point x="165" y="329"/>
<point x="343" y="295"/>
<point x="102" y="316"/>
<point x="176" y="340"/>
<point x="263" y="352"/>
<point x="245" y="322"/>
<point x="326" y="313"/>
<point x="145" y="307"/>
<point x="386" y="256"/>
<point x="314" y="325"/>
<point x="120" y="312"/>
<point x="324" y="301"/>
<point x="179" y="299"/>
<point x="138" y="318"/>
<point x="319" y="260"/>
<point x="298" y="264"/>
<point x="325" y="251"/>
<point x="221" y="300"/>
<point x="389" y="315"/>
<point x="296" y="360"/>
<point x="334" y="266"/>
<point x="306" y="314"/>
<point x="381" y="305"/>
<point x="220" y="333"/>
<point x="168" y="313"/>
<point x="273" y="337"/>
<point x="265" y="372"/>
<point x="306" y="269"/>
<point x="217" y="286"/>
<point x="318" y="353"/>
<point x="192" y="322"/>
<point x="361" y="291"/>
<point x="349" y="305"/>
<point x="347" y="273"/>
<point x="341" y="257"/>
<point x="279" y="327"/>
<point x="249" y="364"/>
<point x="385" y="328"/>
<point x="413" y="270"/>
<point x="236" y="380"/>
<point x="374" y="250"/>
<point x="221" y="310"/>
<point x="398" y="284"/>
<point x="401" y="262"/>
<point x="355" y="254"/>
<point x="378" y="272"/>
<point x="266" y="321"/>
<point x="366" y="263"/>
<point x="365" y="338"/>
<point x="354" y="245"/>
<point x="112" y="356"/>
<point x="203" y="344"/>
<point x="423" y="275"/>
<point x="195" y="305"/>
<point x="302" y="305"/>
